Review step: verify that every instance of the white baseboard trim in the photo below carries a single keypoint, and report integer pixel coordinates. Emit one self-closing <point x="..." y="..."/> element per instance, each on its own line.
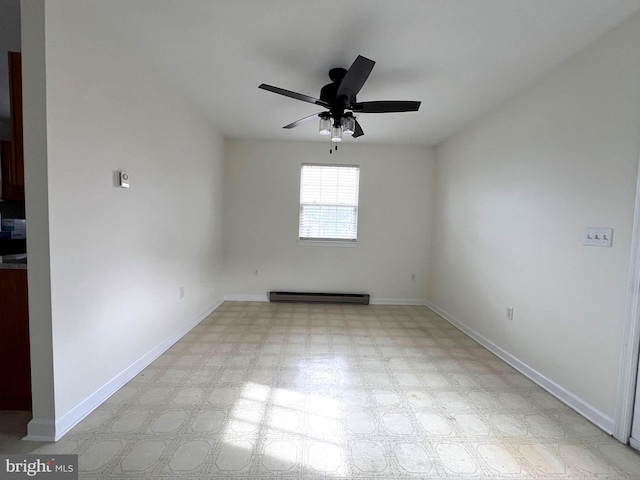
<point x="591" y="413"/>
<point x="246" y="298"/>
<point x="633" y="443"/>
<point x="41" y="430"/>
<point x="372" y="301"/>
<point x="49" y="431"/>
<point x="395" y="301"/>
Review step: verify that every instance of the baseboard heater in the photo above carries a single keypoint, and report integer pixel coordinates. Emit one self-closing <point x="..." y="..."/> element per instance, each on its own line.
<point x="304" y="297"/>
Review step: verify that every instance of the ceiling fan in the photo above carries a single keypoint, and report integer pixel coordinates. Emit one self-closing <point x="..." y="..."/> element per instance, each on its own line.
<point x="339" y="100"/>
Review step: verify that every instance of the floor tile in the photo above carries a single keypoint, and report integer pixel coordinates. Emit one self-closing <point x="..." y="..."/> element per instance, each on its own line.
<point x="266" y="391"/>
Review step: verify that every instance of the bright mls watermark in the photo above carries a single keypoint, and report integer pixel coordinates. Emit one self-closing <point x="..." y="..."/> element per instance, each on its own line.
<point x="52" y="467"/>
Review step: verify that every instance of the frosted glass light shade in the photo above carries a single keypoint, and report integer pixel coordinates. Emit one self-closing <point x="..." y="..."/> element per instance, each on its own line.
<point x="336" y="134"/>
<point x="348" y="125"/>
<point x="325" y="125"/>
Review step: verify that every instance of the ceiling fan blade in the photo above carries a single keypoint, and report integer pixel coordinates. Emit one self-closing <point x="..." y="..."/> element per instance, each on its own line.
<point x="386" y="106"/>
<point x="358" y="132"/>
<point x="355" y="78"/>
<point x="303" y="120"/>
<point x="294" y="95"/>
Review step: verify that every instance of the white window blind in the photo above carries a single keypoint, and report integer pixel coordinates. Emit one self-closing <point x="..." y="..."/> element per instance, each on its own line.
<point x="329" y="202"/>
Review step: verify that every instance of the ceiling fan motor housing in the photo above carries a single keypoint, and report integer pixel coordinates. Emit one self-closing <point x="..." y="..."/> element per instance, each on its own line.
<point x="329" y="93"/>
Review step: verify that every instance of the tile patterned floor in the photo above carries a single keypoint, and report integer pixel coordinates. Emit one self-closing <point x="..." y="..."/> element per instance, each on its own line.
<point x="297" y="391"/>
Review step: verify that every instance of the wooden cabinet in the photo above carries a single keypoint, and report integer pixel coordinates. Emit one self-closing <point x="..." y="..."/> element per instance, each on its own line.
<point x="15" y="365"/>
<point x="13" y="152"/>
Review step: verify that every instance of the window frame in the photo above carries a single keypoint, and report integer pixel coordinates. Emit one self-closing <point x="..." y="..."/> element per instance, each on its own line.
<point x="335" y="241"/>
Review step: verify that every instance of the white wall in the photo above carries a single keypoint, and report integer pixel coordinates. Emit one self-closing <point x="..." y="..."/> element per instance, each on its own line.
<point x="117" y="257"/>
<point x="262" y="195"/>
<point x="37" y="211"/>
<point x="514" y="193"/>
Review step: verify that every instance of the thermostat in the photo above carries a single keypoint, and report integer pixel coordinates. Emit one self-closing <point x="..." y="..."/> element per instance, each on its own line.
<point x="123" y="179"/>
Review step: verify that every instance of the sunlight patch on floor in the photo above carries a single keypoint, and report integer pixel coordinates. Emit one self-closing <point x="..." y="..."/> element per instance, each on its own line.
<point x="262" y="414"/>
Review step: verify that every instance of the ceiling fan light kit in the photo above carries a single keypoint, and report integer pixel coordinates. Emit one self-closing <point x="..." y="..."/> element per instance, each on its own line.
<point x="339" y="98"/>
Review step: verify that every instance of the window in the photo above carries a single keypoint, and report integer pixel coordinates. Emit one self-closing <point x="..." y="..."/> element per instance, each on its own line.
<point x="329" y="202"/>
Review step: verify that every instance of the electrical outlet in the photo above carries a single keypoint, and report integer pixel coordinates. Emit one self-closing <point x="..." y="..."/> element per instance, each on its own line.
<point x="508" y="314"/>
<point x="255" y="272"/>
<point x="413" y="277"/>
<point x="181" y="292"/>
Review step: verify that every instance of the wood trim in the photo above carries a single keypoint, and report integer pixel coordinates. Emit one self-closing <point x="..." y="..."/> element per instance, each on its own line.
<point x="627" y="382"/>
<point x="15" y="104"/>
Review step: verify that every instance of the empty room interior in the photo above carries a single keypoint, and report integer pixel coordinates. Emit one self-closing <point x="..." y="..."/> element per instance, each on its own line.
<point x="493" y="229"/>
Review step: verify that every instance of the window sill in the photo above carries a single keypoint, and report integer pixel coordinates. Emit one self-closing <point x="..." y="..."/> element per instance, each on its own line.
<point x="327" y="243"/>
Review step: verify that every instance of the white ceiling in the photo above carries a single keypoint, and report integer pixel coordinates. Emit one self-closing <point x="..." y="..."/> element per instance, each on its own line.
<point x="459" y="57"/>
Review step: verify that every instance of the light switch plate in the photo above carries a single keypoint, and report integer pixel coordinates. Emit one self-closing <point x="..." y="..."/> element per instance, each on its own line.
<point x="597" y="236"/>
<point x="123" y="179"/>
